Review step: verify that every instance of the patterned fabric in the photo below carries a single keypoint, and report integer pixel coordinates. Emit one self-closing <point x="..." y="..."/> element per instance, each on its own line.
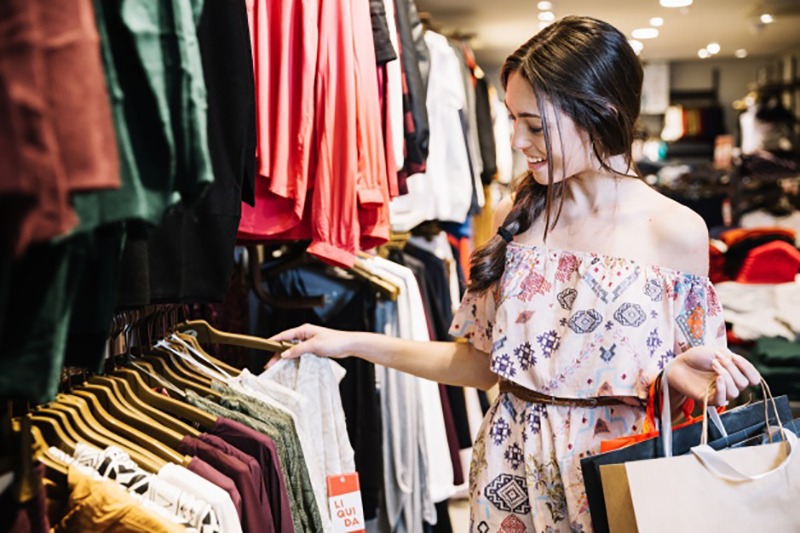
<point x="113" y="463"/>
<point x="171" y="520"/>
<point x="573" y="325"/>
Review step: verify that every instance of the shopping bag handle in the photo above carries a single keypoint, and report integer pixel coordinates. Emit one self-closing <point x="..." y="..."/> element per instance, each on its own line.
<point x="666" y="415"/>
<point x="717" y="465"/>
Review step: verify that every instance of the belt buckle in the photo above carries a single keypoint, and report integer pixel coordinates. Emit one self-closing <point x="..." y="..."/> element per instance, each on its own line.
<point x="593" y="402"/>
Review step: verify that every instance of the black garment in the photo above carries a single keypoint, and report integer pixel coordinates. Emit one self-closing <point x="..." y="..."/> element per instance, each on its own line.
<point x="452" y="436"/>
<point x="443" y="524"/>
<point x="191" y="252"/>
<point x="38" y="294"/>
<point x="416" y="64"/>
<point x="483" y="112"/>
<point x="133" y="289"/>
<point x="384" y="51"/>
<point x="349" y="306"/>
<point x="96" y="297"/>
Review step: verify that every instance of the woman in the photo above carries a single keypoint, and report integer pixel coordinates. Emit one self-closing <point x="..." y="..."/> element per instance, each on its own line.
<point x="592" y="284"/>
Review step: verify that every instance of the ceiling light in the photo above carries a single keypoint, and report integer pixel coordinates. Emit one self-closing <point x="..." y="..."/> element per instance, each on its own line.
<point x="544" y="6"/>
<point x="656" y="22"/>
<point x="741" y="53"/>
<point x="547" y="16"/>
<point x="703" y="53"/>
<point x="713" y="48"/>
<point x="637" y="46"/>
<point x="543" y="24"/>
<point x="645" y="33"/>
<point x="766" y="18"/>
<point x="675" y="3"/>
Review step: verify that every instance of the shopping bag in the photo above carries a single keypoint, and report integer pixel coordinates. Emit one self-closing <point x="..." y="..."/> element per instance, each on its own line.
<point x="748" y="488"/>
<point x="737" y="424"/>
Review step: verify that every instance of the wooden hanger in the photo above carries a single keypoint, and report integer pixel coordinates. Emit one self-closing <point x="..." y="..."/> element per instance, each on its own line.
<point x="178" y="364"/>
<point x="127" y="433"/>
<point x="161" y="367"/>
<point x="136" y="420"/>
<point x="257" y="285"/>
<point x="206" y="334"/>
<point x="123" y="391"/>
<point x="143" y="457"/>
<point x="211" y="361"/>
<point x="388" y="289"/>
<point x="67" y="417"/>
<point x="56" y="471"/>
<point x="165" y="403"/>
<point x="53" y="432"/>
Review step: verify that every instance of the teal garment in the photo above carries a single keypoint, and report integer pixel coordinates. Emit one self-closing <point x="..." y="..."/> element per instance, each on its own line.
<point x="137" y="198"/>
<point x="267" y="414"/>
<point x="292" y="463"/>
<point x="165" y="39"/>
<point x="776" y="351"/>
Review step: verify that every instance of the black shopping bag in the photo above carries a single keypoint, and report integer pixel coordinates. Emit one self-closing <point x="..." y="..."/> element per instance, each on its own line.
<point x="740" y="424"/>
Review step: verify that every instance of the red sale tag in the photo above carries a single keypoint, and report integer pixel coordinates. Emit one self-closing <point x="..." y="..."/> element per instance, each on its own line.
<point x="344" y="499"/>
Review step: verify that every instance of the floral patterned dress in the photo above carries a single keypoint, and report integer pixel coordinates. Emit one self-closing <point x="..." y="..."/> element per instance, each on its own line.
<point x="572" y="325"/>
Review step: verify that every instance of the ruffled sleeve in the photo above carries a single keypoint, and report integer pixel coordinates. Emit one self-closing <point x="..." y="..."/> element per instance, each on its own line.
<point x="475" y="318"/>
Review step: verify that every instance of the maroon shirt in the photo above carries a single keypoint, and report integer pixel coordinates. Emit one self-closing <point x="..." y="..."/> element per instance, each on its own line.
<point x="256" y="518"/>
<point x="262" y="448"/>
<point x="209" y="473"/>
<point x="255" y="469"/>
<point x="28" y="517"/>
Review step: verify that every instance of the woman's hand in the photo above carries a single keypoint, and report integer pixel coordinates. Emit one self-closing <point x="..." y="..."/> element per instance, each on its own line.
<point x="694" y="370"/>
<point x="320" y="341"/>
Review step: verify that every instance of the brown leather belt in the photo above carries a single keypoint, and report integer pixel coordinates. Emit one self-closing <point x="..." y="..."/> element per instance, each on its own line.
<point x="529" y="395"/>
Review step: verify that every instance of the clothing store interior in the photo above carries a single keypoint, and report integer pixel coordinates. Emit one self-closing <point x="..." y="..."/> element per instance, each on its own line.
<point x="339" y="162"/>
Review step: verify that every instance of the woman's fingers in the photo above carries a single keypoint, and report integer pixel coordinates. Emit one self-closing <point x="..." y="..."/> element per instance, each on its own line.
<point x="720" y="396"/>
<point x="731" y="390"/>
<point x="746" y="367"/>
<point x="739" y="378"/>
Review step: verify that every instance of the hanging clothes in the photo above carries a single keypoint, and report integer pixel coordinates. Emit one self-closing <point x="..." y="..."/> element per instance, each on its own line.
<point x="444" y="191"/>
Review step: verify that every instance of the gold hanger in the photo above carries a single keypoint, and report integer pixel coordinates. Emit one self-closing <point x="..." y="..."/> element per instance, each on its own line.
<point x="388" y="289"/>
<point x="221" y="365"/>
<point x="179" y="365"/>
<point x="206" y="334"/>
<point x="136" y="420"/>
<point x="123" y="391"/>
<point x="144" y="458"/>
<point x="160" y="365"/>
<point x="53" y="432"/>
<point x="56" y="471"/>
<point x="165" y="403"/>
<point x="126" y="432"/>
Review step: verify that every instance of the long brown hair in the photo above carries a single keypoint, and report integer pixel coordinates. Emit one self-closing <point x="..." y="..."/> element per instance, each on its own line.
<point x="587" y="70"/>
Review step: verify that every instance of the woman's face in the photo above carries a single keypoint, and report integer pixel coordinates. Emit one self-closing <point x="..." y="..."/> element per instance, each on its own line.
<point x="528" y="135"/>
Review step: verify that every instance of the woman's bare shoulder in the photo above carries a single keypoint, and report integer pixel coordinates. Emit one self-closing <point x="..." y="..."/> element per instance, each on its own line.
<point x="681" y="235"/>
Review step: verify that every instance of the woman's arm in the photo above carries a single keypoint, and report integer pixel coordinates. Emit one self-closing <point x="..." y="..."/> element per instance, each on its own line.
<point x="450" y="363"/>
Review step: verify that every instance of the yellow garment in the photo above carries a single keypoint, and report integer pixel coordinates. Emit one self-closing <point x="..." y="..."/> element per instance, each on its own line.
<point x="104" y="506"/>
<point x="483" y="227"/>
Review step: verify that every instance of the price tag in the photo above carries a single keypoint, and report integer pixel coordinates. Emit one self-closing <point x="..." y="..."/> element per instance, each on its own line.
<point x="344" y="499"/>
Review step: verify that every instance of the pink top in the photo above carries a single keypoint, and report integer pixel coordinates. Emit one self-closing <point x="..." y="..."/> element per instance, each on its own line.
<point x="330" y="148"/>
